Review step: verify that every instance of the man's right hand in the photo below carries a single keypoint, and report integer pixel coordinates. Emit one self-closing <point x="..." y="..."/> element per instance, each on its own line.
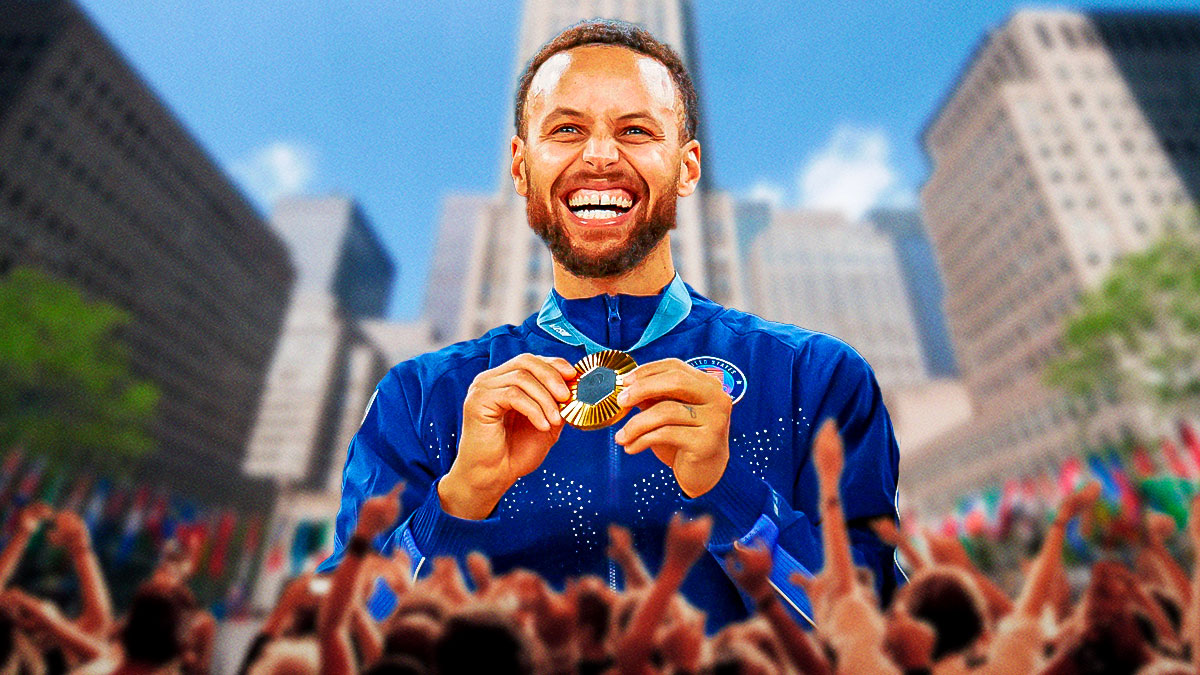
<point x="510" y="420"/>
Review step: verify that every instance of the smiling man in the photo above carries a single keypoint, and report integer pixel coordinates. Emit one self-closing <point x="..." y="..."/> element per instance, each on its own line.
<point x="509" y="449"/>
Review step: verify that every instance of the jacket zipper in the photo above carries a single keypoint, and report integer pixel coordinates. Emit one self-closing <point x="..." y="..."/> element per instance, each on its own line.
<point x="614" y="452"/>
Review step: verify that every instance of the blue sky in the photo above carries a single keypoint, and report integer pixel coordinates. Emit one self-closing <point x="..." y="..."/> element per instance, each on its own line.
<point x="399" y="102"/>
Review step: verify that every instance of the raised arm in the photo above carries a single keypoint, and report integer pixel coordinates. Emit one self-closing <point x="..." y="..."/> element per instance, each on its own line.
<point x="1159" y="527"/>
<point x="71" y="533"/>
<point x="1191" y="622"/>
<point x="376" y="515"/>
<point x="1036" y="590"/>
<point x="621" y="550"/>
<point x="828" y="457"/>
<point x="40" y="615"/>
<point x="750" y="567"/>
<point x="685" y="543"/>
<point x="27" y="523"/>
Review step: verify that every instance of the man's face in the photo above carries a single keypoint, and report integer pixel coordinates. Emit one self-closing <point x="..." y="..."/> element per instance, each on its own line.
<point x="603" y="160"/>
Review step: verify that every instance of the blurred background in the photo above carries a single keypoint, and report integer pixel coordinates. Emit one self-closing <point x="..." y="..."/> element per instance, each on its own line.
<point x="220" y="224"/>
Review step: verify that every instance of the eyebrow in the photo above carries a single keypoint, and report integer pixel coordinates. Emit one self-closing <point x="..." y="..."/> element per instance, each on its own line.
<point x="571" y="112"/>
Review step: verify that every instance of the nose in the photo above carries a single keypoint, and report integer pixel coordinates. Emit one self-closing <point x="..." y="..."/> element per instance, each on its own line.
<point x="600" y="152"/>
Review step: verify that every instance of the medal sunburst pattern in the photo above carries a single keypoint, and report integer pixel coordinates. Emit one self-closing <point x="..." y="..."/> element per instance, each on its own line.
<point x="593" y="402"/>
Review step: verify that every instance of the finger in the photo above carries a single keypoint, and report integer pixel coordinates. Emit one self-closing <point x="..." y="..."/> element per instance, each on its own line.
<point x="658" y="438"/>
<point x="515" y="398"/>
<point x="660" y="414"/>
<point x="536" y="389"/>
<point x="672" y="384"/>
<point x="551" y="375"/>
<point x="561" y="365"/>
<point x="658" y="367"/>
<point x="804" y="583"/>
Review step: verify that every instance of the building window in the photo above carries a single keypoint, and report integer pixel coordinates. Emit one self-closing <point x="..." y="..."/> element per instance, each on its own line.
<point x="1068" y="34"/>
<point x="1043" y="35"/>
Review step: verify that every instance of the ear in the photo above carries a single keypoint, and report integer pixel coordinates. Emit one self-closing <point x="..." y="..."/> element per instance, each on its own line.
<point x="689" y="168"/>
<point x="519" y="176"/>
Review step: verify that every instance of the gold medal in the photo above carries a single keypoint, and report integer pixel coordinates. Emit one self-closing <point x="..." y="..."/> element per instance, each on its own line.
<point x="593" y="403"/>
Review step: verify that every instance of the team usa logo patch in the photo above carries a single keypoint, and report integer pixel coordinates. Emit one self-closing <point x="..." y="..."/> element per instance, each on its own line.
<point x="732" y="379"/>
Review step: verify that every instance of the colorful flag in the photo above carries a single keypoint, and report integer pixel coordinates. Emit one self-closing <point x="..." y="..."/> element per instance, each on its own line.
<point x="1188" y="435"/>
<point x="94" y="512"/>
<point x="1070" y="476"/>
<point x="1109" y="491"/>
<point x="1170" y="454"/>
<point x="1143" y="464"/>
<point x="224" y="534"/>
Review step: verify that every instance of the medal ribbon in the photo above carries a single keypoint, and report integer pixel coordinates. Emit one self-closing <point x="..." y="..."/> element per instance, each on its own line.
<point x="674" y="307"/>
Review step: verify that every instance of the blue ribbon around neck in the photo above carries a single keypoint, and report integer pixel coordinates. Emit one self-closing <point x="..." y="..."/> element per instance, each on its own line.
<point x="674" y="307"/>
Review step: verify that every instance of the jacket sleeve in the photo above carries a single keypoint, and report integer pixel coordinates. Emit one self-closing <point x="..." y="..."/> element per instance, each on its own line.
<point x="745" y="507"/>
<point x="390" y="447"/>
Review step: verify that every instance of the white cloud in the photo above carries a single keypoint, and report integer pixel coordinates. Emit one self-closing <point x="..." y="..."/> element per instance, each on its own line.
<point x="277" y="170"/>
<point x="851" y="174"/>
<point x="766" y="191"/>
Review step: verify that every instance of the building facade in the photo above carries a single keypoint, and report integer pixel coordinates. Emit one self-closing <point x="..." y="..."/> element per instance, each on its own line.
<point x="101" y="185"/>
<point x="922" y="285"/>
<point x="491" y="268"/>
<point x="323" y="361"/>
<point x="819" y="271"/>
<point x="1069" y="140"/>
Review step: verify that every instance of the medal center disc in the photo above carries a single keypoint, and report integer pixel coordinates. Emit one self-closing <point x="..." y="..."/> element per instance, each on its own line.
<point x="596" y="384"/>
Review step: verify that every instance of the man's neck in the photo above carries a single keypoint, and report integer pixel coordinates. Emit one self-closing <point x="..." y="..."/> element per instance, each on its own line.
<point x="648" y="278"/>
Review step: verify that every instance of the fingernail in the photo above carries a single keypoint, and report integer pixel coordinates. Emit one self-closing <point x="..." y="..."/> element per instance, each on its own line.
<point x="622" y="397"/>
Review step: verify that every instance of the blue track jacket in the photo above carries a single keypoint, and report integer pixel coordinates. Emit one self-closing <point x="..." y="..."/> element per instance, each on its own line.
<point x="554" y="521"/>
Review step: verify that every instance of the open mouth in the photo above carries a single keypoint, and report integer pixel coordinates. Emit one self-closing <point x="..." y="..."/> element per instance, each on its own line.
<point x="600" y="206"/>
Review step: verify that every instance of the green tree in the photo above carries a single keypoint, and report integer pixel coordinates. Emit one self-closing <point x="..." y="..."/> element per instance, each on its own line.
<point x="1136" y="336"/>
<point x="66" y="390"/>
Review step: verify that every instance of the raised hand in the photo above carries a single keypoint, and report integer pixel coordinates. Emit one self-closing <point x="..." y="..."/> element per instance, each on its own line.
<point x="480" y="570"/>
<point x="33" y="515"/>
<point x="621" y="550"/>
<point x="891" y="535"/>
<point x="828" y="458"/>
<point x="750" y="568"/>
<point x="510" y="421"/>
<point x="686" y="541"/>
<point x="69" y="531"/>
<point x="379" y="513"/>
<point x="684" y="420"/>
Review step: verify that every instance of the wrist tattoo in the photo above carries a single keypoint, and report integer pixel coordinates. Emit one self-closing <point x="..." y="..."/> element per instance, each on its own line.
<point x="691" y="411"/>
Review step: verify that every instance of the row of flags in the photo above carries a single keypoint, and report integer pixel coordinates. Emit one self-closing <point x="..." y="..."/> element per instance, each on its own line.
<point x="135" y="521"/>
<point x="1131" y="477"/>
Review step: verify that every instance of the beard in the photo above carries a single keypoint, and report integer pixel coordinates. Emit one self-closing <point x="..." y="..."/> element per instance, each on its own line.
<point x="648" y="230"/>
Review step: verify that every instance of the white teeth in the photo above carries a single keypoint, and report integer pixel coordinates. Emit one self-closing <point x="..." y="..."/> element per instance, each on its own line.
<point x="597" y="214"/>
<point x="596" y="198"/>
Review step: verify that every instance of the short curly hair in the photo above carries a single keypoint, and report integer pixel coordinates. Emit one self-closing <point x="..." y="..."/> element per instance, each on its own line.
<point x="621" y="34"/>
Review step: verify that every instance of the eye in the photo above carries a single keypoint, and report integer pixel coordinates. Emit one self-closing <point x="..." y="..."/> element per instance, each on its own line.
<point x="566" y="128"/>
<point x="637" y="130"/>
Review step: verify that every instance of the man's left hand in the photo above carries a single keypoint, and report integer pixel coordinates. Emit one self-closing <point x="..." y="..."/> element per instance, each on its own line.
<point x="684" y="419"/>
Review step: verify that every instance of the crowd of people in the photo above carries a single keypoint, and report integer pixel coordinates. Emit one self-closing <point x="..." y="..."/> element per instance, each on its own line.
<point x="1141" y="617"/>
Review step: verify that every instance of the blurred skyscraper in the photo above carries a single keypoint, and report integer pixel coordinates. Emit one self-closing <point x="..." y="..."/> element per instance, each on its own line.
<point x="101" y="185"/>
<point x="490" y="268"/>
<point x="334" y="349"/>
<point x="1068" y="140"/>
<point x="922" y="285"/>
<point x="817" y="270"/>
<point x="323" y="361"/>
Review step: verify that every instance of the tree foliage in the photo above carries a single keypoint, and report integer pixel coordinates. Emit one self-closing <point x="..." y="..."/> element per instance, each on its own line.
<point x="1136" y="335"/>
<point x="66" y="390"/>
